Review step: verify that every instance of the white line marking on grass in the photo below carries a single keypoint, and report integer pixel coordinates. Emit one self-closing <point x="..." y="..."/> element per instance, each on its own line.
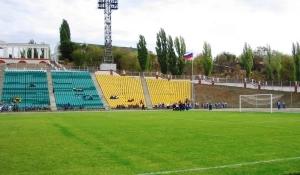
<point x="222" y="166"/>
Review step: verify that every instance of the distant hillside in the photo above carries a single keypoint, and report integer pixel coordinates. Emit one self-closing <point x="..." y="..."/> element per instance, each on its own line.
<point x="216" y="94"/>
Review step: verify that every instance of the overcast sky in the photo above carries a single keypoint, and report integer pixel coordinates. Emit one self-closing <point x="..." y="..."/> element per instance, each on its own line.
<point x="225" y="24"/>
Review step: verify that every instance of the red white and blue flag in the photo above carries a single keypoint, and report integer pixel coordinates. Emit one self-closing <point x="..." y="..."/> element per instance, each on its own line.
<point x="188" y="56"/>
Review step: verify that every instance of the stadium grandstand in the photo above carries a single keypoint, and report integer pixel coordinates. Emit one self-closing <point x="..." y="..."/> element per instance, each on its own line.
<point x="28" y="83"/>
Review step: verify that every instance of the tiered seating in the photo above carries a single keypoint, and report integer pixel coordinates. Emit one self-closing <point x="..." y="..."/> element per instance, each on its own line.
<point x="27" y="88"/>
<point x="75" y="88"/>
<point x="168" y="92"/>
<point x="123" y="88"/>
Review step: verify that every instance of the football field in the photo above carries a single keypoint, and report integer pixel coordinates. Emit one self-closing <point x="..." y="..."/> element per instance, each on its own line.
<point x="150" y="142"/>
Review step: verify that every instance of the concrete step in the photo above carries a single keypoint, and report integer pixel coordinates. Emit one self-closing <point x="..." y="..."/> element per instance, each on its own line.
<point x="100" y="92"/>
<point x="50" y="90"/>
<point x="146" y="93"/>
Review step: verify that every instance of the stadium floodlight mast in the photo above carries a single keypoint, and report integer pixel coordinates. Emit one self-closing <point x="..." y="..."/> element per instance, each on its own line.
<point x="108" y="6"/>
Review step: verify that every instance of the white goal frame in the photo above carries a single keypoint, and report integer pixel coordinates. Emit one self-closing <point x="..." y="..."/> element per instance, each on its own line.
<point x="256" y="99"/>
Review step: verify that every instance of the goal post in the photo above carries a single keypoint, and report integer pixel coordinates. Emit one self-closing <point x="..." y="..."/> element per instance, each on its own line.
<point x="258" y="101"/>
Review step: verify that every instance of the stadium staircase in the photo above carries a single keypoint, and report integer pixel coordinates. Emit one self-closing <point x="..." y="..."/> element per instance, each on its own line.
<point x="50" y="89"/>
<point x="146" y="92"/>
<point x="99" y="90"/>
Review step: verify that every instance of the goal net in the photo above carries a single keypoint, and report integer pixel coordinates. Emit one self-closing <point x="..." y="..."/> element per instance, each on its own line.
<point x="258" y="102"/>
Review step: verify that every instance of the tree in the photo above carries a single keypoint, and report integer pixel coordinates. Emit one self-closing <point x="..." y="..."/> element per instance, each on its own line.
<point x="66" y="46"/>
<point x="29" y="50"/>
<point x="180" y="48"/>
<point x="172" y="59"/>
<point x="64" y="31"/>
<point x="78" y="57"/>
<point x="224" y="59"/>
<point x="199" y="66"/>
<point x="133" y="61"/>
<point x="161" y="50"/>
<point x="247" y="59"/>
<point x="93" y="55"/>
<point x="42" y="52"/>
<point x="269" y="63"/>
<point x="152" y="65"/>
<point x="142" y="52"/>
<point x="22" y="53"/>
<point x="296" y="56"/>
<point x="288" y="68"/>
<point x="207" y="61"/>
<point x="259" y="56"/>
<point x="126" y="59"/>
<point x="277" y="66"/>
<point x="149" y="64"/>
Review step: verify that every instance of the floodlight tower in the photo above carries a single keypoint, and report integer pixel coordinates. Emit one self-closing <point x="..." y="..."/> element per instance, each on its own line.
<point x="108" y="6"/>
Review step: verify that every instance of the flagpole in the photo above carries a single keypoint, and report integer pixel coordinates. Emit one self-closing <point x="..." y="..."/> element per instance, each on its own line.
<point x="189" y="56"/>
<point x="193" y="98"/>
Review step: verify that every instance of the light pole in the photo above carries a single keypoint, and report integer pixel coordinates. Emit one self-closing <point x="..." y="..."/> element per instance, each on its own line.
<point x="108" y="6"/>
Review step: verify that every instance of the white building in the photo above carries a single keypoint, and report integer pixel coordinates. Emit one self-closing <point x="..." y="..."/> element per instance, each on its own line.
<point x="17" y="52"/>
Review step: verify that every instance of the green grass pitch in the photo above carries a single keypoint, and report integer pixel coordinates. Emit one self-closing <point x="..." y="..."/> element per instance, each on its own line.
<point x="149" y="142"/>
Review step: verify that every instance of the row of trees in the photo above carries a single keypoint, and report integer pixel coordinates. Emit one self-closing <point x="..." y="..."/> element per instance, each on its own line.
<point x="169" y="57"/>
<point x="92" y="55"/>
<point x="269" y="64"/>
<point x="274" y="63"/>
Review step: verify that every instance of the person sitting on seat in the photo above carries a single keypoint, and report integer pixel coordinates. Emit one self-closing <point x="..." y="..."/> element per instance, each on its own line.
<point x="78" y="89"/>
<point x="130" y="100"/>
<point x="31" y="85"/>
<point x="114" y="97"/>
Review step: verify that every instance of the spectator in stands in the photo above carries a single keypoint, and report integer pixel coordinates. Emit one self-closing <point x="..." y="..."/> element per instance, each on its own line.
<point x="186" y="99"/>
<point x="130" y="100"/>
<point x="114" y="97"/>
<point x="168" y="106"/>
<point x="181" y="106"/>
<point x="143" y="106"/>
<point x="78" y="89"/>
<point x="174" y="106"/>
<point x="31" y="85"/>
